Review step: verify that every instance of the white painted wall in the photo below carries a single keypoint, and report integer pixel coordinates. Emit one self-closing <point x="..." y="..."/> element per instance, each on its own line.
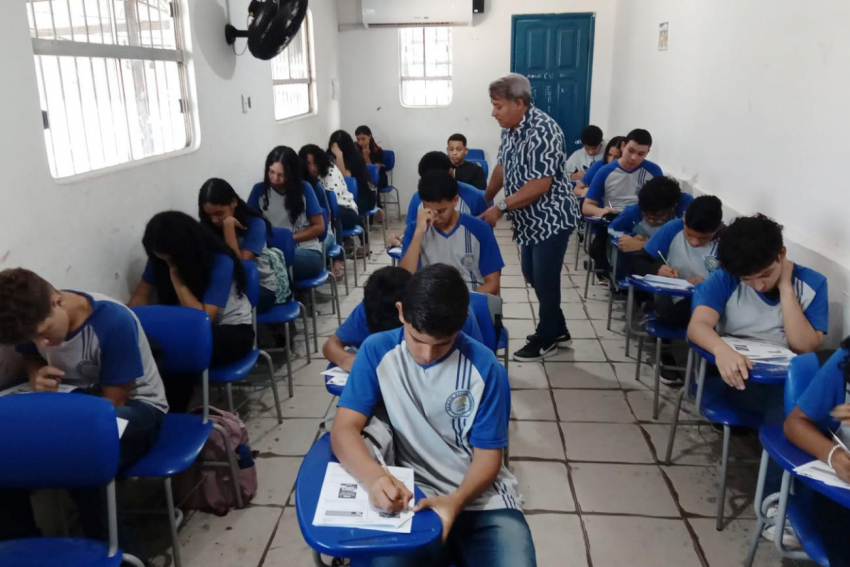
<point x="749" y="104"/>
<point x="369" y="69"/>
<point x="86" y="233"/>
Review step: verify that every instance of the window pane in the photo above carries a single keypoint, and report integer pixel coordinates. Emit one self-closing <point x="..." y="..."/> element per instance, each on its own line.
<point x="292" y="76"/>
<point x="426" y="52"/>
<point x="291" y="100"/>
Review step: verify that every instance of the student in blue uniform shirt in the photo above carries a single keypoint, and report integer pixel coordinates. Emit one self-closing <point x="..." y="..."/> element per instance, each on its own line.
<point x="442" y="234"/>
<point x="758" y="293"/>
<point x="448" y="402"/>
<point x="659" y="201"/>
<point x="824" y="407"/>
<point x="589" y="153"/>
<point x="613" y="152"/>
<point x="376" y="313"/>
<point x="471" y="200"/>
<point x="465" y="172"/>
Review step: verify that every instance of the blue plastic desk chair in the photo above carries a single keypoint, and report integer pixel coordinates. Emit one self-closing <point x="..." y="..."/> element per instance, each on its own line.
<point x="796" y="506"/>
<point x="374" y="175"/>
<point x="479" y="303"/>
<point x="333" y="389"/>
<point x="389" y="165"/>
<point x="482" y="163"/>
<point x="61" y="441"/>
<point x="357" y="230"/>
<point x="395" y="255"/>
<point x="184" y="337"/>
<point x="239" y="370"/>
<point x="326" y="274"/>
<point x="588" y="223"/>
<point x="337" y="251"/>
<point x="713" y="402"/>
<point x="474" y="153"/>
<point x="358" y="544"/>
<point x="287" y="313"/>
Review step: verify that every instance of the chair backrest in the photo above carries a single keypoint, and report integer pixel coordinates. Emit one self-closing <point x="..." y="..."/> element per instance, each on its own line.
<point x="319" y="191"/>
<point x="475" y="154"/>
<point x="478" y="303"/>
<point x="482" y="163"/>
<point x="334" y="203"/>
<point x="352" y="187"/>
<point x="283" y="240"/>
<point x="55" y="440"/>
<point x="252" y="283"/>
<point x="800" y="373"/>
<point x="183" y="337"/>
<point x="374" y="173"/>
<point x="389" y="160"/>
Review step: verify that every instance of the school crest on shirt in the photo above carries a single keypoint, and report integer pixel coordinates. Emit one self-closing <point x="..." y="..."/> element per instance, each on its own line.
<point x="88" y="369"/>
<point x="460" y="404"/>
<point x="468" y="261"/>
<point x="711" y="263"/>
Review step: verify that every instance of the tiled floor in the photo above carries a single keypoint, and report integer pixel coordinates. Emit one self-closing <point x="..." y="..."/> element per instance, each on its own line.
<point x="584" y="447"/>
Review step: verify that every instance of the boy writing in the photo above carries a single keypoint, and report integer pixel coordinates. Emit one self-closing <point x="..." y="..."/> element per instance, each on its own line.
<point x="581" y="159"/>
<point x="659" y="201"/>
<point x="465" y="172"/>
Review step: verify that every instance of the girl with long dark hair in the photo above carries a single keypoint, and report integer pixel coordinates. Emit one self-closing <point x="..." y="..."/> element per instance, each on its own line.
<point x="245" y="231"/>
<point x="349" y="160"/>
<point x="372" y="152"/>
<point x="613" y="151"/>
<point x="287" y="201"/>
<point x="317" y="164"/>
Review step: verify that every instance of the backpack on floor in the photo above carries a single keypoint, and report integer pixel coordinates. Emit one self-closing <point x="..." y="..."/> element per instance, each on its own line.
<point x="211" y="488"/>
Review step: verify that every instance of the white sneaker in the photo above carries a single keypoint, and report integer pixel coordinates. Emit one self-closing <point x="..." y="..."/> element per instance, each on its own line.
<point x="789" y="537"/>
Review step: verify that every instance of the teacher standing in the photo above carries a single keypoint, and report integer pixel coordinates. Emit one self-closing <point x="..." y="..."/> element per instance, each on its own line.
<point x="539" y="202"/>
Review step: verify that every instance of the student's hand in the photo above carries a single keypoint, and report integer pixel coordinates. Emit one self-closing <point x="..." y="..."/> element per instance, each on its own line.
<point x="841" y="413"/>
<point x="447" y="507"/>
<point x="576" y="175"/>
<point x="734" y="367"/>
<point x="668" y="272"/>
<point x="631" y="243"/>
<point x="580" y="191"/>
<point x="389" y="494"/>
<point x="491" y="216"/>
<point x="46" y="379"/>
<point x="841" y="464"/>
<point x="786" y="273"/>
<point x="607" y="210"/>
<point x="696" y="280"/>
<point x="424" y="219"/>
<point x="232" y="222"/>
<point x="347" y="362"/>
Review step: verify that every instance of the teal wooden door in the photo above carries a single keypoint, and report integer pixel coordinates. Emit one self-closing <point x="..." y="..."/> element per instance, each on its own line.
<point x="555" y="52"/>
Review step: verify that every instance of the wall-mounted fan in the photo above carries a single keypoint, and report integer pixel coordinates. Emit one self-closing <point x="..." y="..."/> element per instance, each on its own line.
<point x="272" y="25"/>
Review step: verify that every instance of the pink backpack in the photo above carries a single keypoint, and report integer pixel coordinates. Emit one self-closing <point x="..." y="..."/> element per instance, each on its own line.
<point x="215" y="490"/>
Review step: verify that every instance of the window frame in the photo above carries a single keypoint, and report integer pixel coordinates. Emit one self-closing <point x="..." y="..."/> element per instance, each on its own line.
<point x="424" y="77"/>
<point x="310" y="81"/>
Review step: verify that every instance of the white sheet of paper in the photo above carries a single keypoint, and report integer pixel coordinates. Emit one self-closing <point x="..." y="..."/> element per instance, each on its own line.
<point x="665" y="281"/>
<point x="344" y="502"/>
<point x="25" y="389"/>
<point x="338" y="376"/>
<point x="122" y="425"/>
<point x="823" y="472"/>
<point x="761" y="351"/>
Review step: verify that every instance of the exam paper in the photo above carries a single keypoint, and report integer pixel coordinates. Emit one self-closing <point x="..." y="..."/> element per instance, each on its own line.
<point x="668" y="282"/>
<point x="761" y="351"/>
<point x="822" y="472"/>
<point x="25" y="389"/>
<point x="344" y="502"/>
<point x="338" y="376"/>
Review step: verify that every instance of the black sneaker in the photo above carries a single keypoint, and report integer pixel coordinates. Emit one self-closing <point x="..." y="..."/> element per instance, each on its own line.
<point x="535" y="351"/>
<point x="564" y="340"/>
<point x="667" y="376"/>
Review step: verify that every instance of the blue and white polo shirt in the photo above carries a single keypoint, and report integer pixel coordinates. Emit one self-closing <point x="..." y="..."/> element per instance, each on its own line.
<point x="828" y="389"/>
<point x="438" y="412"/>
<point x="535" y="150"/>
<point x="471" y="202"/>
<point x="613" y="184"/>
<point x="691" y="262"/>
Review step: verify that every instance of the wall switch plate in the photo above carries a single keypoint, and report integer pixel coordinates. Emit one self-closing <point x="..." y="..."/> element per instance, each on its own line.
<point x="246" y="104"/>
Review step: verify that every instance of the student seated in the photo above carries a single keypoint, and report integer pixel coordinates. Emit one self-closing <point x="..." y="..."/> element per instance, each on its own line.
<point x="318" y="165"/>
<point x="443" y="235"/>
<point x="376" y="313"/>
<point x="95" y="343"/>
<point x="581" y="159"/>
<point x="372" y="152"/>
<point x="465" y="172"/>
<point x="471" y="200"/>
<point x="348" y="157"/>
<point x="451" y="426"/>
<point x="189" y="266"/>
<point x="659" y="201"/>
<point x="245" y="231"/>
<point x="284" y="202"/>
<point x="757" y="293"/>
<point x="825" y="407"/>
<point x="613" y="151"/>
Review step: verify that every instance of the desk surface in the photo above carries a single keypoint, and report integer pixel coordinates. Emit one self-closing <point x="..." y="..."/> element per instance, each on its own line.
<point x="352" y="542"/>
<point x="760" y="374"/>
<point x="643" y="285"/>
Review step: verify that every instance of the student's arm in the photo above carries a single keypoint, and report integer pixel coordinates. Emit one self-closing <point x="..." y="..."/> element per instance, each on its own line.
<point x="733" y="367"/>
<point x="631" y="243"/>
<point x="490" y="261"/>
<point x="142" y="295"/>
<point x="497" y="181"/>
<point x="580" y="189"/>
<point x="595" y="196"/>
<point x="801" y="335"/>
<point x="119" y="394"/>
<point x="800" y="430"/>
<point x="335" y="352"/>
<point x="315" y="230"/>
<point x="229" y="228"/>
<point x="41" y="376"/>
<point x="492" y="284"/>
<point x="185" y="295"/>
<point x="527" y="194"/>
<point x="412" y="241"/>
<point x="591" y="208"/>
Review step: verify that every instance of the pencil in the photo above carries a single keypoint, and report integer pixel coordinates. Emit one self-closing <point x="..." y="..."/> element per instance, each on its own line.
<point x="663" y="258"/>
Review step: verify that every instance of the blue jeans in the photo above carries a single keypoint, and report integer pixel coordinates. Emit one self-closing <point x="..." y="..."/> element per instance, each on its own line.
<point x="307" y="264"/>
<point x="496" y="538"/>
<point x="541" y="267"/>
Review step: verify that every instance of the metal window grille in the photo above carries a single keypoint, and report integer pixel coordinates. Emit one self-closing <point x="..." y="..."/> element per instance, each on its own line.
<point x="426" y="66"/>
<point x="292" y="77"/>
<point x="111" y="81"/>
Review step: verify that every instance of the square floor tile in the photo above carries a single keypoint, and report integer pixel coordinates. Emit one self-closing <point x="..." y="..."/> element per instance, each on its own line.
<point x="730" y="546"/>
<point x="517" y="310"/>
<point x="641" y="402"/>
<point x="288" y="548"/>
<point x="239" y="538"/>
<point x="293" y="437"/>
<point x="545" y="486"/>
<point x="607" y="406"/>
<point x="618" y="329"/>
<point x="696" y="488"/>
<point x="569" y="294"/>
<point x="537" y="439"/>
<point x="640" y="542"/>
<point x="622" y="489"/>
<point x="581" y="350"/>
<point x="525" y="375"/>
<point x="581" y="329"/>
<point x="615" y="349"/>
<point x="606" y="442"/>
<point x="626" y="374"/>
<point x="275" y="479"/>
<point x="597" y="375"/>
<point x="306" y="374"/>
<point x="532" y="404"/>
<point x="573" y="311"/>
<point x="307" y="401"/>
<point x="512" y="270"/>
<point x="513" y="295"/>
<point x="693" y="445"/>
<point x="597" y="309"/>
<point x="558" y="540"/>
<point x="518" y="329"/>
<point x="513" y="281"/>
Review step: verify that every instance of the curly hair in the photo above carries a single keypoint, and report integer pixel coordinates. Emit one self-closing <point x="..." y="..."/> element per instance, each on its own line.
<point x="749" y="245"/>
<point x="25" y="302"/>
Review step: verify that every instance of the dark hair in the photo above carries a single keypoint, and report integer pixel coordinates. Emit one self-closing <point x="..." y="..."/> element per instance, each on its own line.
<point x="320" y="156"/>
<point x="436" y="186"/>
<point x="640" y="137"/>
<point x="25" y="302"/>
<point x="591" y="136"/>
<point x="293" y="196"/>
<point x="435" y="161"/>
<point x="383" y="290"/>
<point x="749" y="245"/>
<point x="615" y="142"/>
<point x="366" y="131"/>
<point x="191" y="248"/>
<point x="436" y="301"/>
<point x="659" y="194"/>
<point x="355" y="164"/>
<point x="457" y="138"/>
<point x="217" y="191"/>
<point x="704" y="214"/>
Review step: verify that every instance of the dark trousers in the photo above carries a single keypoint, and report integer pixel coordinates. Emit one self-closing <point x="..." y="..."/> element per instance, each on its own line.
<point x="673" y="314"/>
<point x="348" y="218"/>
<point x="598" y="251"/>
<point x="541" y="267"/>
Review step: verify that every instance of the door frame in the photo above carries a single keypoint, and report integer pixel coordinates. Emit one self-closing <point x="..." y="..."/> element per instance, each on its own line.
<point x="558" y="16"/>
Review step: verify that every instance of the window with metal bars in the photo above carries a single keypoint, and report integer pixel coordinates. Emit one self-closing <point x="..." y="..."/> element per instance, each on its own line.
<point x="426" y="66"/>
<point x="111" y="81"/>
<point x="292" y="76"/>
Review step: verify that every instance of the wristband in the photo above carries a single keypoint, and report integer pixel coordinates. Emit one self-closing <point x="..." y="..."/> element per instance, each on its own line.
<point x="829" y="458"/>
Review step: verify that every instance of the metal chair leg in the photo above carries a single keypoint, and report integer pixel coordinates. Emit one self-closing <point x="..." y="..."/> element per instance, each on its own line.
<point x="335" y="300"/>
<point x="345" y="269"/>
<point x="172" y="523"/>
<point x="610" y="308"/>
<point x="315" y="323"/>
<point x="630" y="305"/>
<point x="289" y="354"/>
<point x="639" y="358"/>
<point x="681" y="395"/>
<point x="724" y="466"/>
<point x="306" y="332"/>
<point x="757" y="504"/>
<point x="273" y="383"/>
<point x="657" y="378"/>
<point x="231" y="459"/>
<point x="229" y="389"/>
<point x="590" y="267"/>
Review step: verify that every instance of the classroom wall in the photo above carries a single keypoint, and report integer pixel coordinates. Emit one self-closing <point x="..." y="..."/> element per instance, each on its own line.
<point x="748" y="104"/>
<point x="369" y="71"/>
<point x="85" y="233"/>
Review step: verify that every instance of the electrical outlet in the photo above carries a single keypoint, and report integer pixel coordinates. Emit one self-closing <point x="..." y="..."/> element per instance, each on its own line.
<point x="246" y="104"/>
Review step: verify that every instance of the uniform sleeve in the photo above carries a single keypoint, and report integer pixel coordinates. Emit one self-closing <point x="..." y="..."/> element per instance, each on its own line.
<point x="490" y="260"/>
<point x="473" y="198"/>
<point x="627" y="220"/>
<point x="148" y="275"/>
<point x="818" y="310"/>
<point x="684" y="201"/>
<point x="363" y="391"/>
<point x="355" y="329"/>
<point x="597" y="186"/>
<point x="546" y="154"/>
<point x="653" y="168"/>
<point x="254" y="197"/>
<point x="408" y="236"/>
<point x="118" y="335"/>
<point x="490" y="428"/>
<point x="661" y="240"/>
<point x="312" y="204"/>
<point x="715" y="291"/>
<point x="591" y="172"/>
<point x="221" y="279"/>
<point x="412" y="207"/>
<point x="254" y="239"/>
<point x="471" y="328"/>
<point x="826" y="389"/>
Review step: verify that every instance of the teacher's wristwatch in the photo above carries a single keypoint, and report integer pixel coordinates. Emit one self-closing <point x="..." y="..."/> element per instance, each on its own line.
<point x="502" y="206"/>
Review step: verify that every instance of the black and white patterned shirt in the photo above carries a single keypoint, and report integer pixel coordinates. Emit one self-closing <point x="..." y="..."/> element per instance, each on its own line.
<point x="534" y="150"/>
